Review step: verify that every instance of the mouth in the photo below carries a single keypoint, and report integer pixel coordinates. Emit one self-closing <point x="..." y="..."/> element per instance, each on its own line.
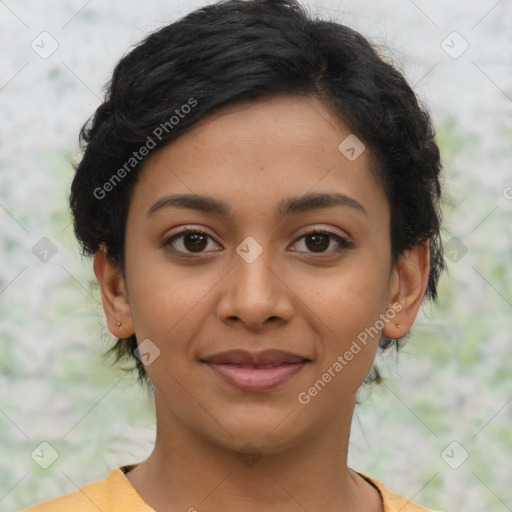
<point x="254" y="372"/>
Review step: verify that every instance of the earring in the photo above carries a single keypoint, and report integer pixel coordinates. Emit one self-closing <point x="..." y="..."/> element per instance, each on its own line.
<point x="397" y="326"/>
<point x="118" y="324"/>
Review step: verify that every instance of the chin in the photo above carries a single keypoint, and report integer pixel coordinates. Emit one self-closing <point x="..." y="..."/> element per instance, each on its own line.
<point x="260" y="432"/>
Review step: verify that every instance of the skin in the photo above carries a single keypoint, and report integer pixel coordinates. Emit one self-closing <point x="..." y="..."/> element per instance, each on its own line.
<point x="191" y="305"/>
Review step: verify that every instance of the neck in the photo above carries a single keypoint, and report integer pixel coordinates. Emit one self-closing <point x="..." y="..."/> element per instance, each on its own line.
<point x="188" y="471"/>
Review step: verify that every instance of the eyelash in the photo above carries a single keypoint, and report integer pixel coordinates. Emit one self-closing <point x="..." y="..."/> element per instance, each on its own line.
<point x="343" y="243"/>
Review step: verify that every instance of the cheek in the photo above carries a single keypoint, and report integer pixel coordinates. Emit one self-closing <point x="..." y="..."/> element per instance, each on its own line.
<point x="348" y="298"/>
<point x="165" y="299"/>
<point x="167" y="309"/>
<point x="345" y="310"/>
<point x="346" y="306"/>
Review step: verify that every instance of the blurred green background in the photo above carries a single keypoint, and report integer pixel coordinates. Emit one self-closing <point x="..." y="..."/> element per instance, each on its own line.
<point x="447" y="395"/>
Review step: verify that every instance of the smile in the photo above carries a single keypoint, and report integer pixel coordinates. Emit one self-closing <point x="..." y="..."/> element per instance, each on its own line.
<point x="256" y="378"/>
<point x="254" y="372"/>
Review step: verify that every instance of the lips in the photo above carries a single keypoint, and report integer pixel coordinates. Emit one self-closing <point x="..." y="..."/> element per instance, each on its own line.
<point x="259" y="371"/>
<point x="266" y="358"/>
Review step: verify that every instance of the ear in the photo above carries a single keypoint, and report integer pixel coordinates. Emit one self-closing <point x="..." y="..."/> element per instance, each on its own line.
<point x="408" y="284"/>
<point x="113" y="295"/>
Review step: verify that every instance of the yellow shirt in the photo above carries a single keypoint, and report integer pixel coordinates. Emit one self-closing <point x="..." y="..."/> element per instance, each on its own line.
<point x="116" y="494"/>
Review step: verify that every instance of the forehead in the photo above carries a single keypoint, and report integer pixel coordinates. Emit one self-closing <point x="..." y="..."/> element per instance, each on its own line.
<point x="255" y="153"/>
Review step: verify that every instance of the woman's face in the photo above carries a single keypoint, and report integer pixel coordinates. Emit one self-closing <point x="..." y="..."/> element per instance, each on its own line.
<point x="257" y="181"/>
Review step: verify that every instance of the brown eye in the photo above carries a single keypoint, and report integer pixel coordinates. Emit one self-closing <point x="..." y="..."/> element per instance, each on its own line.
<point x="195" y="242"/>
<point x="188" y="242"/>
<point x="320" y="242"/>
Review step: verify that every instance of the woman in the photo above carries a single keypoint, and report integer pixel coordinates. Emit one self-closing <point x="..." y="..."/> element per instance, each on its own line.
<point x="260" y="193"/>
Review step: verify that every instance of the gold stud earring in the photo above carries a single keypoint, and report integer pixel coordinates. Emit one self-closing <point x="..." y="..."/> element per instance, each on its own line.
<point x="398" y="326"/>
<point x="118" y="324"/>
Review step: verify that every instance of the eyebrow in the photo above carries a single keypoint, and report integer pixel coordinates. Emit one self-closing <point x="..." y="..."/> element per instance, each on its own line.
<point x="291" y="205"/>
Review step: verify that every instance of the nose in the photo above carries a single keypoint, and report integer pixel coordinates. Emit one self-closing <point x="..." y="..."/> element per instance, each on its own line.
<point x="255" y="294"/>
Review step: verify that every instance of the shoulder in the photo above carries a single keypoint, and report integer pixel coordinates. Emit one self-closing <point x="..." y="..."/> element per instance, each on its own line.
<point x="393" y="502"/>
<point x="114" y="494"/>
<point x="89" y="498"/>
